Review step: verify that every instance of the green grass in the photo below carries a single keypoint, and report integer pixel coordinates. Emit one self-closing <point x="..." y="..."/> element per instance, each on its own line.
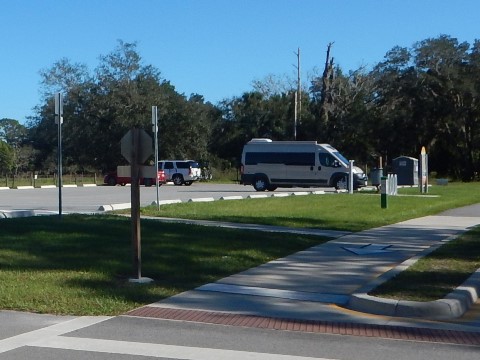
<point x="80" y="264"/>
<point x="437" y="274"/>
<point x="355" y="212"/>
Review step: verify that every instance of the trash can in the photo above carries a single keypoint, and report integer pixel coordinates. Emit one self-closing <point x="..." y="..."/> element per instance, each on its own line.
<point x="406" y="169"/>
<point x="376" y="176"/>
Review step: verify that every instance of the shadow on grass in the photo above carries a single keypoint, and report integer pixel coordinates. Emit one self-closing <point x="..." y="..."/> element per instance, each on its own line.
<point x="98" y="251"/>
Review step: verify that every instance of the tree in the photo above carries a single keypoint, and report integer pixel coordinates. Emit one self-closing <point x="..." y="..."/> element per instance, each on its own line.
<point x="100" y="108"/>
<point x="444" y="105"/>
<point x="14" y="134"/>
<point x="6" y="157"/>
<point x="397" y="122"/>
<point x="426" y="95"/>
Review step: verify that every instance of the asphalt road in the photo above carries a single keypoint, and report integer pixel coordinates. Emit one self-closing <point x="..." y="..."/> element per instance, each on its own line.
<point x="90" y="199"/>
<point x="124" y="338"/>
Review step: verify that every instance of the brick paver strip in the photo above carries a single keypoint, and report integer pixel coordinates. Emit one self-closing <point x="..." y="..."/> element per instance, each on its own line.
<point x="384" y="331"/>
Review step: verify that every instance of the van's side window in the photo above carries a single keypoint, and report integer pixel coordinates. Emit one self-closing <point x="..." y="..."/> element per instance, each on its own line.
<point x="326" y="159"/>
<point x="285" y="158"/>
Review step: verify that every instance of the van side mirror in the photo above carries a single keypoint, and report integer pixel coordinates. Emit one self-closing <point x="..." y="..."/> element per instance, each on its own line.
<point x="336" y="163"/>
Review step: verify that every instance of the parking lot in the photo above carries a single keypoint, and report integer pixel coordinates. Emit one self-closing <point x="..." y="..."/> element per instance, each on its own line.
<point x="91" y="199"/>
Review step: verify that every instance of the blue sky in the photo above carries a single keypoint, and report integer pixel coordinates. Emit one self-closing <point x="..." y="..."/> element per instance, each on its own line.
<point x="213" y="47"/>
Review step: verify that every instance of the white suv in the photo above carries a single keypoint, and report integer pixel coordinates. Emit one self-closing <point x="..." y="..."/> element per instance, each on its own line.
<point x="180" y="171"/>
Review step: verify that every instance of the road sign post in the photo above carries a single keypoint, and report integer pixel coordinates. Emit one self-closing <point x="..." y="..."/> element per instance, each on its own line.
<point x="136" y="147"/>
<point x="135" y="212"/>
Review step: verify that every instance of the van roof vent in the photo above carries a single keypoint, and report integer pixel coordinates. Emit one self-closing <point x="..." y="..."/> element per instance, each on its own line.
<point x="260" y="140"/>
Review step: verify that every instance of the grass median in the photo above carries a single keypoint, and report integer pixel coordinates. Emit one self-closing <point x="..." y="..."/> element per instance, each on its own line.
<point x="356" y="212"/>
<point x="437" y="274"/>
<point x="79" y="264"/>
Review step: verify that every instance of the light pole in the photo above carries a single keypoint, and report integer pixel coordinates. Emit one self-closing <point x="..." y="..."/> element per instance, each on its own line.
<point x="59" y="121"/>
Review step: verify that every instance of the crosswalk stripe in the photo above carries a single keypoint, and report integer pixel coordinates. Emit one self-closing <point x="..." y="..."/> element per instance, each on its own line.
<point x="24" y="339"/>
<point x="158" y="350"/>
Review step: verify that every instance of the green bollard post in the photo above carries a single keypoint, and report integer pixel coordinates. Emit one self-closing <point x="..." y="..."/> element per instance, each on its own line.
<point x="384" y="192"/>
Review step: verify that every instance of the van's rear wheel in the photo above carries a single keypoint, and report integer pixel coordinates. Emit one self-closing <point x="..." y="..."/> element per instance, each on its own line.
<point x="260" y="183"/>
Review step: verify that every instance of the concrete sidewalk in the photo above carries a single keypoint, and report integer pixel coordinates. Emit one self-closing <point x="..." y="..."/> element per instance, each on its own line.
<point x="323" y="282"/>
<point x="310" y="291"/>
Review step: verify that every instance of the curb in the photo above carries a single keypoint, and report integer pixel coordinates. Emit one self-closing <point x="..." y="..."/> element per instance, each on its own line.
<point x="279" y="195"/>
<point x="233" y="197"/>
<point x="257" y="196"/>
<point x="301" y="193"/>
<point x="454" y="305"/>
<point x="202" y="200"/>
<point x="114" y="207"/>
<point x="16" y="213"/>
<point x="166" y="202"/>
<point x="111" y="207"/>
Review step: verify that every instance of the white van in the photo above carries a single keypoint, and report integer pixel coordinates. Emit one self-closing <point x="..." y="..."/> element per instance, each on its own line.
<point x="268" y="164"/>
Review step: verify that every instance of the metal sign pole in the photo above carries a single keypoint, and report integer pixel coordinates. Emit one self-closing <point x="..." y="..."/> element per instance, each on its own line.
<point x="59" y="121"/>
<point x="135" y="210"/>
<point x="155" y="134"/>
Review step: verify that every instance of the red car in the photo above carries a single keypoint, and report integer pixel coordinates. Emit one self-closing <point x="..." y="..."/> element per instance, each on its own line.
<point x="114" y="178"/>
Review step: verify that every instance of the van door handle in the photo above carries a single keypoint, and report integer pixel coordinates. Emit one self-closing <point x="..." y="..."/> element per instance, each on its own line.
<point x="319" y="168"/>
<point x="311" y="168"/>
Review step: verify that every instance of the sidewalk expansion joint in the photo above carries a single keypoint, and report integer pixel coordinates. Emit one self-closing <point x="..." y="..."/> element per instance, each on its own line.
<point x="276" y="293"/>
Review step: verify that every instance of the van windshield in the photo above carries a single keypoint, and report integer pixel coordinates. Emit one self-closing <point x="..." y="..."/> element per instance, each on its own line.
<point x="341" y="157"/>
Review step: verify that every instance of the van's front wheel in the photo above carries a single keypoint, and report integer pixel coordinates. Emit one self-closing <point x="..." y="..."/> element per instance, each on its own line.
<point x="341" y="183"/>
<point x="260" y="183"/>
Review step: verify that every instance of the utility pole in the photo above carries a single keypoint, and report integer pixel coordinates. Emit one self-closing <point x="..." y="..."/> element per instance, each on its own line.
<point x="299" y="87"/>
<point x="295" y="118"/>
<point x="298" y="97"/>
